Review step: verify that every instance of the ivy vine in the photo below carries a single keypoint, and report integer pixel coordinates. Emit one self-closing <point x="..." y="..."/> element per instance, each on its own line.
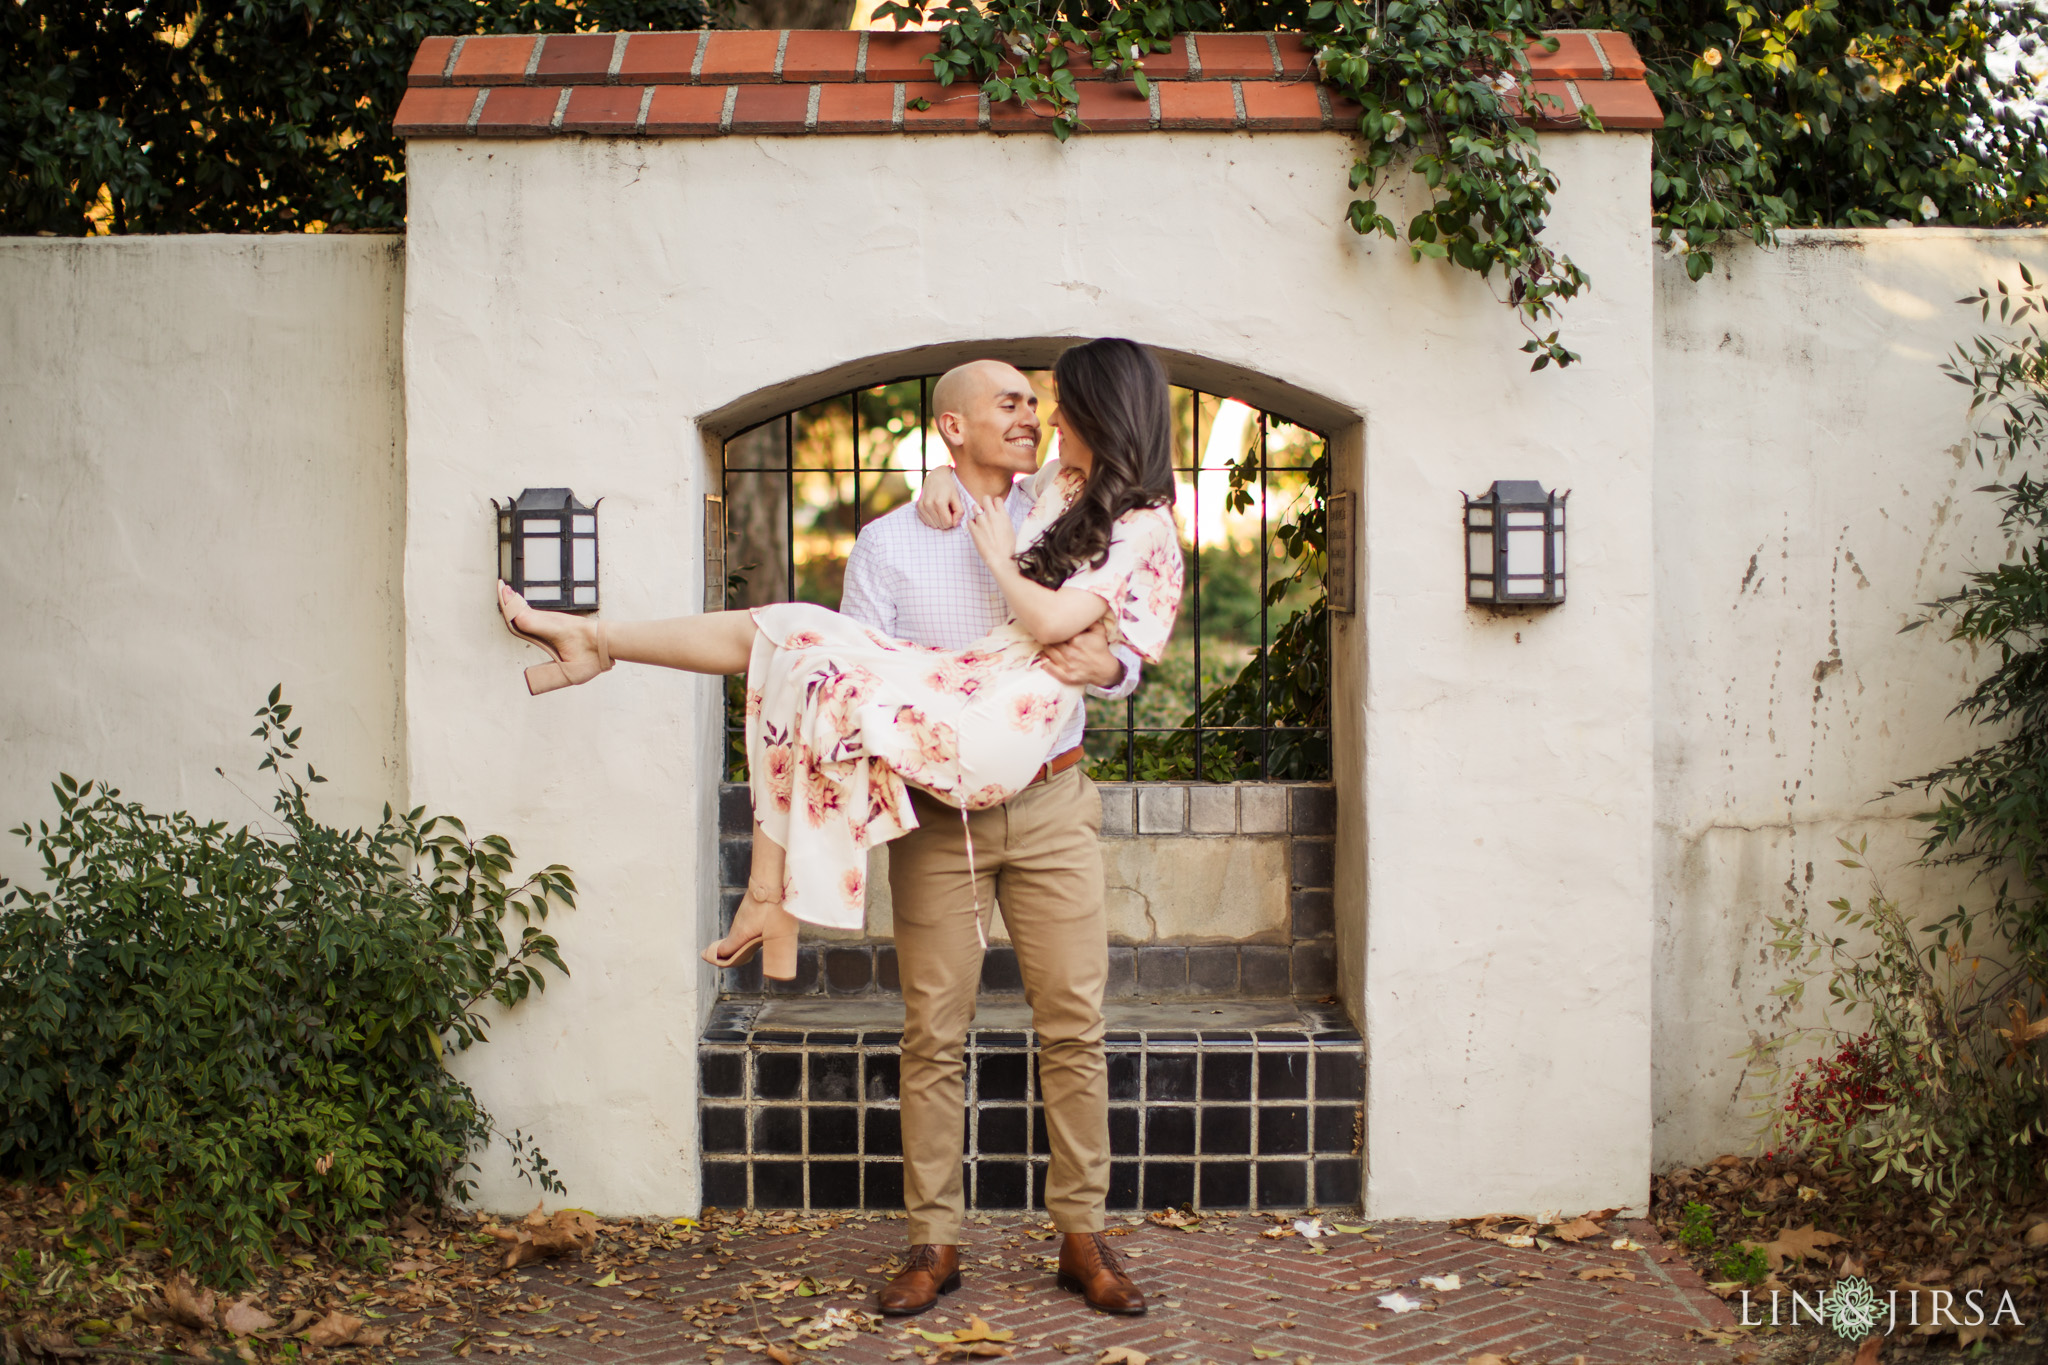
<point x="1828" y="112"/>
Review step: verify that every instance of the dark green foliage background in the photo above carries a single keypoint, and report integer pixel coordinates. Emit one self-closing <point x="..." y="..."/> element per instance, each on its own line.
<point x="271" y="115"/>
<point x="234" y="1038"/>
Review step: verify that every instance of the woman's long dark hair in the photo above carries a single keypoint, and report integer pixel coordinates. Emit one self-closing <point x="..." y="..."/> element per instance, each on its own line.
<point x="1113" y="393"/>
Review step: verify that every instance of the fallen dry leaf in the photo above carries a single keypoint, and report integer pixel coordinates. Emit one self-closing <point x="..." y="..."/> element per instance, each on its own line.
<point x="1798" y="1245"/>
<point x="1870" y="1351"/>
<point x="189" y="1307"/>
<point x="977" y="1330"/>
<point x="1578" y="1230"/>
<point x="336" y="1329"/>
<point x="244" y="1318"/>
<point x="1489" y="1358"/>
<point x="2037" y="1236"/>
<point x="1122" y="1355"/>
<point x="1606" y="1272"/>
<point x="781" y="1355"/>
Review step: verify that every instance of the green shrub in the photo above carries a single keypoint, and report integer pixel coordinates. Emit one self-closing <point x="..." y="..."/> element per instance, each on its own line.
<point x="231" y="1038"/>
<point x="1744" y="1263"/>
<point x="1696" y="1231"/>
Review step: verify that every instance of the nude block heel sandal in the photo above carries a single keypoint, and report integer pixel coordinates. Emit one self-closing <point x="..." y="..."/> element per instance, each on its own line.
<point x="550" y="676"/>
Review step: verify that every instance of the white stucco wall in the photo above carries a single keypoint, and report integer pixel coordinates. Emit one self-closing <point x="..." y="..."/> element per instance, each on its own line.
<point x="1813" y="486"/>
<point x="574" y="307"/>
<point x="201" y="455"/>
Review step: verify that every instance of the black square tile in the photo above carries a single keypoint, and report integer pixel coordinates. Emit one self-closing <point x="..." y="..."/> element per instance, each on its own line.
<point x="742" y="980"/>
<point x="1123" y="1131"/>
<point x="1169" y="1076"/>
<point x="1284" y="1075"/>
<point x="1226" y="1130"/>
<point x="884" y="1185"/>
<point x="1264" y="969"/>
<point x="1226" y="1075"/>
<point x="881" y="1038"/>
<point x="1001" y="1131"/>
<point x="835" y="1131"/>
<point x="1315" y="914"/>
<point x="1169" y="1130"/>
<point x="1122" y="1037"/>
<point x="999" y="1184"/>
<point x="778" y="1075"/>
<point x="779" y="1132"/>
<point x="725" y="1128"/>
<point x="1314" y="968"/>
<point x="735" y="857"/>
<point x="1041" y="1141"/>
<point x="1168" y="1184"/>
<point x="835" y="1184"/>
<point x="885" y="1132"/>
<point x="1038" y="1170"/>
<point x="1339" y="1075"/>
<point x="999" y="1076"/>
<point x="1002" y="1038"/>
<point x="1335" y="1124"/>
<point x="1162" y="970"/>
<point x="728" y="906"/>
<point x="1226" y="1035"/>
<point x="1172" y="1035"/>
<point x="1123" y="1185"/>
<point x="778" y="1184"/>
<point x="1212" y="969"/>
<point x="887" y="978"/>
<point x="716" y="1032"/>
<point x="1277" y="1037"/>
<point x="817" y="1039"/>
<point x="1337" y="1182"/>
<point x="1315" y="810"/>
<point x="1000" y="972"/>
<point x="725" y="1184"/>
<point x="835" y="1077"/>
<point x="779" y="1035"/>
<point x="1126" y="1071"/>
<point x="721" y="1075"/>
<point x="1283" y="1130"/>
<point x="735" y="809"/>
<point x="1313" y="861"/>
<point x="1283" y="1184"/>
<point x="848" y="971"/>
<point x="1226" y="1184"/>
<point x="883" y="1075"/>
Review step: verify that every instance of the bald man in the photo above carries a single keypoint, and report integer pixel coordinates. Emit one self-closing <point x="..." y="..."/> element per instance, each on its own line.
<point x="1037" y="856"/>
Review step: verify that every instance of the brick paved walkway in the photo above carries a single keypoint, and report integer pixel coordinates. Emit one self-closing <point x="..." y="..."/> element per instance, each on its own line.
<point x="1224" y="1294"/>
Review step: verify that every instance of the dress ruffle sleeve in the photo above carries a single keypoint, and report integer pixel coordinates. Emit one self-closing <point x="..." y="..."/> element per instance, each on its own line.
<point x="1140" y="580"/>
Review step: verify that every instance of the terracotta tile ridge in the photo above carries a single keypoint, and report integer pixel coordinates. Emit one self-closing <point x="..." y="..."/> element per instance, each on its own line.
<point x="1596" y="70"/>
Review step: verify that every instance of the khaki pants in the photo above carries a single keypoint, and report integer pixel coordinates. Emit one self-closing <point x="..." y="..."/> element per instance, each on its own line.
<point x="1039" y="856"/>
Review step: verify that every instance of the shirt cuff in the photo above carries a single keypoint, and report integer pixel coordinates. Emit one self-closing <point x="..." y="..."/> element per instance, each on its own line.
<point x="1129" y="683"/>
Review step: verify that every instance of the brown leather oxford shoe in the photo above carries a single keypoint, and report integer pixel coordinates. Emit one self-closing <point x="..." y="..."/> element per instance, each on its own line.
<point x="1090" y="1268"/>
<point x="932" y="1270"/>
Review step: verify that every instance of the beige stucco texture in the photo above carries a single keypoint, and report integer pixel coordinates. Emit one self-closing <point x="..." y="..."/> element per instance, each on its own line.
<point x="1814" y="487"/>
<point x="202" y="456"/>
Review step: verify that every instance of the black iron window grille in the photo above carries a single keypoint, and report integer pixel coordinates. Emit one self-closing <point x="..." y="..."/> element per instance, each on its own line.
<point x="1243" y="693"/>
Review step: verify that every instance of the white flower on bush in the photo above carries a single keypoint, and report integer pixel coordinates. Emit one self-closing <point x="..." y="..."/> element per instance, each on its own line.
<point x="1927" y="208"/>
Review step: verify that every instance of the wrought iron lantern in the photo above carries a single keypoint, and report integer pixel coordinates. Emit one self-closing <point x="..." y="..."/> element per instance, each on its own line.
<point x="1514" y="545"/>
<point x="547" y="549"/>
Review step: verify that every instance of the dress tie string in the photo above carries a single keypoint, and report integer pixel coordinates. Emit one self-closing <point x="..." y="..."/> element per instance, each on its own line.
<point x="973" y="881"/>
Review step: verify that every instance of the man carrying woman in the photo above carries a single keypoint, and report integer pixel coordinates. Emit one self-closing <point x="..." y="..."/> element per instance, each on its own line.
<point x="856" y="737"/>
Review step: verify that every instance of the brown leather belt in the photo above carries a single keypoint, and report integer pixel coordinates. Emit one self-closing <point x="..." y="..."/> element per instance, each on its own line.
<point x="1057" y="764"/>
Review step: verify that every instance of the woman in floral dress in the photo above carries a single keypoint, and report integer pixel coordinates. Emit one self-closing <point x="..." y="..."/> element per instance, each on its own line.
<point x="839" y="717"/>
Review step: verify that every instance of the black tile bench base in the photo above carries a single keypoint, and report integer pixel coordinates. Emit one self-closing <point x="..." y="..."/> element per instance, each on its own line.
<point x="1265" y="1117"/>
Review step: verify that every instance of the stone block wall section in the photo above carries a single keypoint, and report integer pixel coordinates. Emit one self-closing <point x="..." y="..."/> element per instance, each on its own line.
<point x="796" y="81"/>
<point x="1301" y="814"/>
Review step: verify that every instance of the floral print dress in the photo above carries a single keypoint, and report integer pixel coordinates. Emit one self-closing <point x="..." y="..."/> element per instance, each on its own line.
<point x="841" y="718"/>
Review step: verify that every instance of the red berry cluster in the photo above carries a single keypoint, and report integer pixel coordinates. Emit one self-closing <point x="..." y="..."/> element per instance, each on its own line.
<point x="1836" y="1093"/>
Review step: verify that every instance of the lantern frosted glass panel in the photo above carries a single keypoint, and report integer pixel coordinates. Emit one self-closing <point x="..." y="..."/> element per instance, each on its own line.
<point x="547" y="548"/>
<point x="1514" y="545"/>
